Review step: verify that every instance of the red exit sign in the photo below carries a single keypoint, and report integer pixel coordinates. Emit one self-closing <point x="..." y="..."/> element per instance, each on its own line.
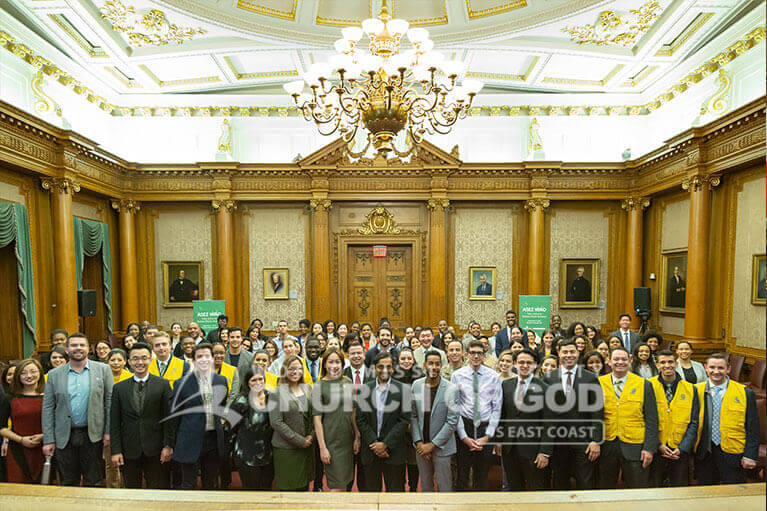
<point x="379" y="250"/>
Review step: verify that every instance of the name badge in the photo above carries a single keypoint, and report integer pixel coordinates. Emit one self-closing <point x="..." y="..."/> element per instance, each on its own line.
<point x="737" y="400"/>
<point x="633" y="391"/>
<point x="683" y="397"/>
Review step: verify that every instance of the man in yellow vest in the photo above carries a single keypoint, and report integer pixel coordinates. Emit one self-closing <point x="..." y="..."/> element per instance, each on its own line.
<point x="631" y="425"/>
<point x="166" y="365"/>
<point x="678" y="410"/>
<point x="729" y="426"/>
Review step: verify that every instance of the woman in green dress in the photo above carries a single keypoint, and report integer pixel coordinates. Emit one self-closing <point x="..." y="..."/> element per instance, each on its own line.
<point x="292" y="439"/>
<point x="334" y="423"/>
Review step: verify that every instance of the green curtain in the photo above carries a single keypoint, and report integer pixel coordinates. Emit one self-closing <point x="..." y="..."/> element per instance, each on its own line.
<point x="14" y="226"/>
<point x="90" y="237"/>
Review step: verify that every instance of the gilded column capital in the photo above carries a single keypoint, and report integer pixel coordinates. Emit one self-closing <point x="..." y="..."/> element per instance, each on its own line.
<point x="129" y="205"/>
<point x="441" y="204"/>
<point x="697" y="182"/>
<point x="227" y="204"/>
<point x="532" y="204"/>
<point x="320" y="204"/>
<point x="635" y="203"/>
<point x="60" y="184"/>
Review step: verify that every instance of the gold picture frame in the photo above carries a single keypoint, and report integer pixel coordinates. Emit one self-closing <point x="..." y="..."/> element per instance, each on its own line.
<point x="672" y="296"/>
<point x="276" y="289"/>
<point x="759" y="279"/>
<point x="480" y="289"/>
<point x="179" y="293"/>
<point x="578" y="291"/>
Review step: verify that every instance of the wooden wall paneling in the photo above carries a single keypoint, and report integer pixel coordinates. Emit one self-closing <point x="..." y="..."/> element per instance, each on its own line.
<point x="450" y="246"/>
<point x="616" y="258"/>
<point x="146" y="263"/>
<point x="242" y="268"/>
<point x="546" y="251"/>
<point x="651" y="258"/>
<point x="717" y="265"/>
<point x="11" y="344"/>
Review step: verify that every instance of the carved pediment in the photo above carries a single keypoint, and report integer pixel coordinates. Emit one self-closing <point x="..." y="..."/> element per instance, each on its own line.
<point x="425" y="155"/>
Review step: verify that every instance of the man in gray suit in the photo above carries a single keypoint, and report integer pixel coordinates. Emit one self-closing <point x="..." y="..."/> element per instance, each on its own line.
<point x="629" y="337"/>
<point x="235" y="355"/>
<point x="75" y="418"/>
<point x="433" y="422"/>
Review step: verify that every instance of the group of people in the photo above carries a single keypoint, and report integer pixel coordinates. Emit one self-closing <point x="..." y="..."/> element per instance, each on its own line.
<point x="338" y="405"/>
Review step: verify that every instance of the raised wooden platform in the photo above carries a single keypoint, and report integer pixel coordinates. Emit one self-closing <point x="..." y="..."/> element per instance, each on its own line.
<point x="17" y="497"/>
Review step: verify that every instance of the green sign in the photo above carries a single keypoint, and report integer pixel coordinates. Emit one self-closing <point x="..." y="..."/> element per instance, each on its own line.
<point x="206" y="313"/>
<point x="534" y="312"/>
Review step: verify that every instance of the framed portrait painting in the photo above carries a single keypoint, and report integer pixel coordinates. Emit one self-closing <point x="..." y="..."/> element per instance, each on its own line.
<point x="673" y="281"/>
<point x="482" y="283"/>
<point x="759" y="280"/>
<point x="578" y="283"/>
<point x="182" y="283"/>
<point x="276" y="283"/>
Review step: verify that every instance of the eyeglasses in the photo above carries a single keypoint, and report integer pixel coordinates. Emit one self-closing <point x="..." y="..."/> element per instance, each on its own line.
<point x="476" y="353"/>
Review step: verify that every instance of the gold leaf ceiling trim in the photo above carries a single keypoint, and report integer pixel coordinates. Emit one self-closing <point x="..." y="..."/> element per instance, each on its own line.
<point x="254" y="76"/>
<point x="133" y="84"/>
<point x="151" y="28"/>
<point x="268" y="11"/>
<point x="23" y="52"/>
<point x="491" y="11"/>
<point x="504" y="76"/>
<point x="633" y="82"/>
<point x="175" y="83"/>
<point x="423" y="22"/>
<point x="573" y="81"/>
<point x="612" y="29"/>
<point x="667" y="50"/>
<point x="71" y="31"/>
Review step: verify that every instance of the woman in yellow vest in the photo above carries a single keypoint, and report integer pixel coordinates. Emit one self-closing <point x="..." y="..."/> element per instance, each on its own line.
<point x="261" y="358"/>
<point x="631" y="425"/>
<point x="226" y="370"/>
<point x="677" y="423"/>
<point x="166" y="365"/>
<point x="727" y="449"/>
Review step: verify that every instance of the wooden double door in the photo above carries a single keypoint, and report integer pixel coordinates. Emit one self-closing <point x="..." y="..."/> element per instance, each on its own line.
<point x="380" y="286"/>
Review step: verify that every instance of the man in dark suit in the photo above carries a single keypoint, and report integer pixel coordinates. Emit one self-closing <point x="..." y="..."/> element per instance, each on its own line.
<point x="383" y="414"/>
<point x="197" y="406"/>
<point x="213" y="335"/>
<point x="580" y="288"/>
<point x="676" y="289"/>
<point x="442" y="329"/>
<point x="629" y="337"/>
<point x="141" y="439"/>
<point x="182" y="289"/>
<point x="235" y="355"/>
<point x="526" y="447"/>
<point x="359" y="374"/>
<point x="484" y="288"/>
<point x="503" y="337"/>
<point x="577" y="397"/>
<point x="384" y="345"/>
<point x="729" y="443"/>
<point x="631" y="425"/>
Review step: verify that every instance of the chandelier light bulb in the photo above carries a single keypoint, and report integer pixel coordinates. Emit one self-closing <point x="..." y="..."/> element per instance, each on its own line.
<point x="452" y="68"/>
<point x="432" y="59"/>
<point x="372" y="27"/>
<point x="341" y="62"/>
<point x="311" y="79"/>
<point x="472" y="86"/>
<point x="425" y="46"/>
<point x="352" y="34"/>
<point x="321" y="70"/>
<point x="371" y="63"/>
<point x="294" y="87"/>
<point x="417" y="35"/>
<point x="353" y="72"/>
<point x="342" y="46"/>
<point x="421" y="74"/>
<point x="397" y="27"/>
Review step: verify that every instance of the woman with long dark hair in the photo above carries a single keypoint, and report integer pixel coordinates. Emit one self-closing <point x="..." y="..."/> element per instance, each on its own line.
<point x="406" y="372"/>
<point x="642" y="363"/>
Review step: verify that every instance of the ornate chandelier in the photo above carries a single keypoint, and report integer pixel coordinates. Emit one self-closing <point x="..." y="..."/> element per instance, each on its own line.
<point x="385" y="91"/>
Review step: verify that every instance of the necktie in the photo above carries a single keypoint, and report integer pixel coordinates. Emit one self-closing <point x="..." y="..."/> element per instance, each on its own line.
<point x="569" y="383"/>
<point x="716" y="436"/>
<point x="357" y="380"/>
<point x="477" y="415"/>
<point x="140" y="396"/>
<point x="520" y="392"/>
<point x="162" y="368"/>
<point x="618" y="388"/>
<point x="314" y="370"/>
<point x="626" y="340"/>
<point x="669" y="393"/>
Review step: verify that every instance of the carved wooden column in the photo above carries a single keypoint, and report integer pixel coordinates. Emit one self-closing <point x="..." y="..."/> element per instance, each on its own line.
<point x="127" y="209"/>
<point x="321" y="304"/>
<point x="695" y="316"/>
<point x="535" y="276"/>
<point x="62" y="189"/>
<point x="634" y="206"/>
<point x="437" y="260"/>
<point x="225" y="253"/>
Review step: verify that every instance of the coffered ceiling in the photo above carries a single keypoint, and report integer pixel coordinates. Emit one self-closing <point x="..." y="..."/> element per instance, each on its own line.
<point x="135" y="48"/>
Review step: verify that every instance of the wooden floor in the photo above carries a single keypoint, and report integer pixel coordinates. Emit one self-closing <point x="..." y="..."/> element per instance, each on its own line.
<point x="17" y="497"/>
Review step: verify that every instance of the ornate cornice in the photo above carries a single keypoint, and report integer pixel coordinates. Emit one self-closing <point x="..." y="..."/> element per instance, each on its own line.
<point x="320" y="204"/>
<point x="224" y="204"/>
<point x="533" y="204"/>
<point x="698" y="181"/>
<point x="129" y="205"/>
<point x="60" y="184"/>
<point x="635" y="203"/>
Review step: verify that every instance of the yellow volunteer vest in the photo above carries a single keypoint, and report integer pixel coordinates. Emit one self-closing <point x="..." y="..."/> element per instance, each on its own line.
<point x="270" y="380"/>
<point x="123" y="376"/>
<point x="624" y="419"/>
<point x="228" y="372"/>
<point x="732" y="417"/>
<point x="174" y="371"/>
<point x="673" y="417"/>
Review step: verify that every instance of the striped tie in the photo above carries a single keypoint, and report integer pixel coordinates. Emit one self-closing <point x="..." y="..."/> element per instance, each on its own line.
<point x="716" y="435"/>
